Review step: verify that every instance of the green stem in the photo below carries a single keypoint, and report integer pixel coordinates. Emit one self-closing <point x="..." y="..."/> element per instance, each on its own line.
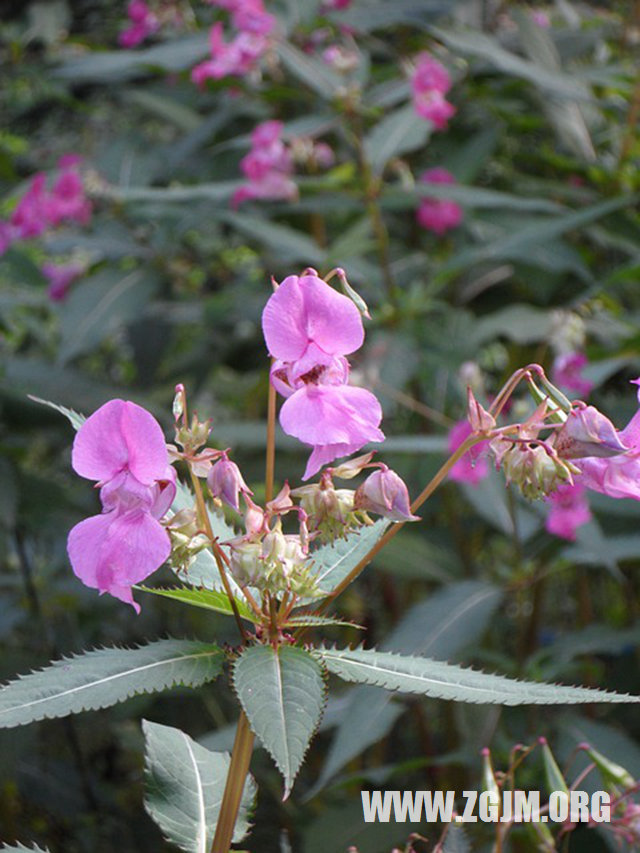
<point x="236" y="778"/>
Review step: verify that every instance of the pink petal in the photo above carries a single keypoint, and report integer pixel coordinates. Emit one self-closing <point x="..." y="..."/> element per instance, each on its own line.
<point x="305" y="309"/>
<point x="332" y="414"/>
<point x="112" y="551"/>
<point x="120" y="435"/>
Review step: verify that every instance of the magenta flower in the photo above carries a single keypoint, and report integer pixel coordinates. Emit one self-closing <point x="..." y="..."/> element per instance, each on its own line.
<point x="30" y="216"/>
<point x="438" y="214"/>
<point x="566" y="372"/>
<point x="429" y="84"/>
<point x="268" y="166"/>
<point x="143" y="24"/>
<point x="60" y="276"/>
<point x="568" y="510"/>
<point x="473" y="466"/>
<point x="230" y="59"/>
<point x="67" y="201"/>
<point x="309" y="328"/>
<point x="122" y="447"/>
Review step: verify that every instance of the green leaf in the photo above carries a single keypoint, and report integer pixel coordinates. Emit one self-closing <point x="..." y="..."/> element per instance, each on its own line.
<point x="104" y="303"/>
<point x="474" y="43"/>
<point x="283" y="695"/>
<point x="334" y="562"/>
<point x="184" y="784"/>
<point x="290" y="244"/>
<point x="219" y="191"/>
<point x="100" y="678"/>
<point x="208" y="599"/>
<point x="470" y="197"/>
<point x="76" y="420"/>
<point x="442" y="625"/>
<point x="314" y="74"/>
<point x="440" y="680"/>
<point x="397" y="133"/>
<point x="18" y="847"/>
<point x="309" y="620"/>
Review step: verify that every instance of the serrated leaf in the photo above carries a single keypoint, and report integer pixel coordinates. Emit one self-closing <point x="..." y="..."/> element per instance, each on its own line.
<point x="100" y="678"/>
<point x="184" y="784"/>
<point x="309" y="620"/>
<point x="440" y="680"/>
<point x="397" y="133"/>
<point x="442" y="625"/>
<point x="283" y="695"/>
<point x="333" y="562"/>
<point x="208" y="599"/>
<point x="75" y="418"/>
<point x="19" y="847"/>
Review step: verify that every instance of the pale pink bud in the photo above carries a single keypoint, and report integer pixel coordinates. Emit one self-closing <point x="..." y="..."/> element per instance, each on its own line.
<point x="385" y="493"/>
<point x="282" y="500"/>
<point x="254" y="520"/>
<point x="225" y="482"/>
<point x="587" y="432"/>
<point x="479" y="418"/>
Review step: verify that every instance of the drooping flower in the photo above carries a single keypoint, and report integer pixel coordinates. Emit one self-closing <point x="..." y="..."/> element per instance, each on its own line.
<point x="438" y="214"/>
<point x="122" y="447"/>
<point x="386" y="494"/>
<point x="309" y="328"/>
<point x="226" y="482"/>
<point x="568" y="510"/>
<point x="268" y="166"/>
<point x="429" y="84"/>
<point x="473" y="466"/>
<point x="566" y="372"/>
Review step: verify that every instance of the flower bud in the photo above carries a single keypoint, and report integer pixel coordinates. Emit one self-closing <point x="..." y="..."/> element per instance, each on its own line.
<point x="385" y="493"/>
<point x="225" y="482"/>
<point x="535" y="471"/>
<point x="478" y="417"/>
<point x="246" y="563"/>
<point x="587" y="432"/>
<point x="613" y="774"/>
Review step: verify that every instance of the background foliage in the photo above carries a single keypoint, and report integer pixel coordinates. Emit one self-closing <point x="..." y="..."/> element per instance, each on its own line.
<point x="544" y="149"/>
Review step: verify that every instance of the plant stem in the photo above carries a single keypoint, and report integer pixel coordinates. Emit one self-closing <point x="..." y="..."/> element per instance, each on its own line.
<point x="396" y="528"/>
<point x="271" y="444"/>
<point x="205" y="523"/>
<point x="236" y="778"/>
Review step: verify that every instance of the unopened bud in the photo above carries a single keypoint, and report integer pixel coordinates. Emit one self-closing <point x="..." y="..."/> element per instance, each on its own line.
<point x="386" y="494"/>
<point x="254" y="518"/>
<point x="612" y="774"/>
<point x="479" y="418"/>
<point x="587" y="432"/>
<point x="350" y="469"/>
<point x="353" y="295"/>
<point x="225" y="482"/>
<point x="553" y="774"/>
<point x="535" y="471"/>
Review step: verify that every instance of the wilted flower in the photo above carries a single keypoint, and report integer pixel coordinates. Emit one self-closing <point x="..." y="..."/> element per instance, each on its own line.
<point x="429" y="84"/>
<point x="438" y="214"/>
<point x="122" y="447"/>
<point x="386" y="494"/>
<point x="568" y="510"/>
<point x="587" y="432"/>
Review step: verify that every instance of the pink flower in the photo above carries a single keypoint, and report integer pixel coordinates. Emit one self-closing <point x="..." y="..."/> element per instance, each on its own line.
<point x="541" y="19"/>
<point x="429" y="84"/>
<point x="67" y="200"/>
<point x="386" y="494"/>
<point x="122" y="447"/>
<point x="472" y="467"/>
<point x="337" y="4"/>
<point x="225" y="482"/>
<point x="438" y="214"/>
<point x="309" y="328"/>
<point x="30" y="216"/>
<point x="143" y="24"/>
<point x="235" y="58"/>
<point x="268" y="166"/>
<point x="568" y="511"/>
<point x="60" y="278"/>
<point x="566" y="372"/>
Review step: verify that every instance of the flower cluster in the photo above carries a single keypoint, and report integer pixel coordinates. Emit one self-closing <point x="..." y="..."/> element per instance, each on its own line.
<point x="438" y="214"/>
<point x="41" y="207"/>
<point x="241" y="55"/>
<point x="309" y="328"/>
<point x="143" y="22"/>
<point x="122" y="447"/>
<point x="268" y="166"/>
<point x="429" y="85"/>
